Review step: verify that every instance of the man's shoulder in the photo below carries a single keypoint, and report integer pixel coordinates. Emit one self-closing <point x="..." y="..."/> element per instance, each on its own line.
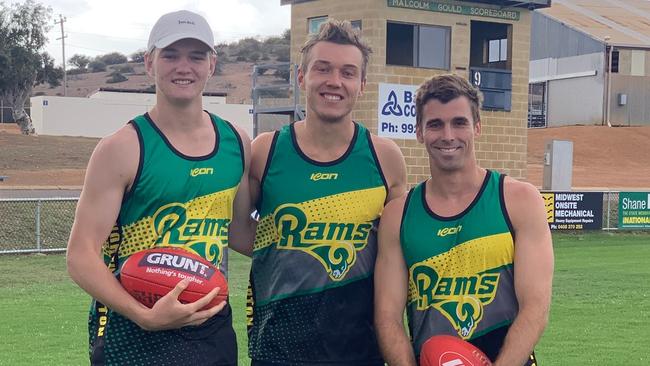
<point x="122" y="140"/>
<point x="263" y="141"/>
<point x="517" y="190"/>
<point x="522" y="200"/>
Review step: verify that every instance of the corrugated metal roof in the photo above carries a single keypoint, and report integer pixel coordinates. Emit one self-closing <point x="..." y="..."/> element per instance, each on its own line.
<point x="625" y="22"/>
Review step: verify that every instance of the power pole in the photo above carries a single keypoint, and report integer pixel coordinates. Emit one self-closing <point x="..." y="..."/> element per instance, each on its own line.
<point x="63" y="37"/>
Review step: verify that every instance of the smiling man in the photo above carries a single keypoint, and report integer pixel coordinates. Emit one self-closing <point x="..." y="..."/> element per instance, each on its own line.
<point x="468" y="252"/>
<point x="162" y="180"/>
<point x="319" y="186"/>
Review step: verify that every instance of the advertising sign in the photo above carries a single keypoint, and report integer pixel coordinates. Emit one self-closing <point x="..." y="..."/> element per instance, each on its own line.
<point x="574" y="210"/>
<point x="634" y="210"/>
<point x="396" y="112"/>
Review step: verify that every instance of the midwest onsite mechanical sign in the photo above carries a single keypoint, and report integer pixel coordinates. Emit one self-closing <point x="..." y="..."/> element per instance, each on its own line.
<point x="442" y="7"/>
<point x="574" y="210"/>
<point x="396" y="112"/>
<point x="634" y="210"/>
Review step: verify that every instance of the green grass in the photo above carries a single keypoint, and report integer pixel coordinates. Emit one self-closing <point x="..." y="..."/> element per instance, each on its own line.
<point x="599" y="316"/>
<point x="601" y="301"/>
<point x="43" y="314"/>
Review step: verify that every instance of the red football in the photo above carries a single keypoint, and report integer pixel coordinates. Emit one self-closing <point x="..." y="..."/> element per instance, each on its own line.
<point x="150" y="274"/>
<point x="446" y="350"/>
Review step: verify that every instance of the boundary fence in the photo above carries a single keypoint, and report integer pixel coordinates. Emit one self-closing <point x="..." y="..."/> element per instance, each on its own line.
<point x="35" y="225"/>
<point x="40" y="225"/>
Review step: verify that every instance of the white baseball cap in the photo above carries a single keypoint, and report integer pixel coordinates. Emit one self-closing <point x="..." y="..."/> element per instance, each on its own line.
<point x="178" y="25"/>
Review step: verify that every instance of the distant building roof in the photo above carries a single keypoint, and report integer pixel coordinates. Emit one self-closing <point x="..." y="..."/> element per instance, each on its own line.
<point x="625" y="22"/>
<point x="151" y="91"/>
<point x="530" y="4"/>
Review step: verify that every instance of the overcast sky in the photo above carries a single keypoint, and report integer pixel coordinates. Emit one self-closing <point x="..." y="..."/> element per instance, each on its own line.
<point x="95" y="27"/>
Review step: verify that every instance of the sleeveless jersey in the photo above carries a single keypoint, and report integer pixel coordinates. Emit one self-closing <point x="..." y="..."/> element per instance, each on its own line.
<point x="314" y="255"/>
<point x="175" y="201"/>
<point x="460" y="268"/>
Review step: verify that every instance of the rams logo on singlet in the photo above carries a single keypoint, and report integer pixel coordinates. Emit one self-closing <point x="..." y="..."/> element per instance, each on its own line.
<point x="460" y="299"/>
<point x="175" y="225"/>
<point x="333" y="244"/>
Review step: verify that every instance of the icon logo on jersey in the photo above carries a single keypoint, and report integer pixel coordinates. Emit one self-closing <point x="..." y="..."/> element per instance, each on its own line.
<point x="324" y="176"/>
<point x="201" y="171"/>
<point x="205" y="236"/>
<point x="459" y="298"/>
<point x="450" y="230"/>
<point x="333" y="244"/>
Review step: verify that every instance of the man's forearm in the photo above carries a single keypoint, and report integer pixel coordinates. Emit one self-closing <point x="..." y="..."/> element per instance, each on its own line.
<point x="523" y="335"/>
<point x="395" y="345"/>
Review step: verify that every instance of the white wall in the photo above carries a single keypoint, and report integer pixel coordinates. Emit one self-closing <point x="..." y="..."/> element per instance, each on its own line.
<point x="575" y="88"/>
<point x="98" y="117"/>
<point x="143" y="98"/>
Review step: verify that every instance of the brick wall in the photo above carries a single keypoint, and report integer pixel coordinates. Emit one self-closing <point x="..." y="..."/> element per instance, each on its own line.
<point x="502" y="144"/>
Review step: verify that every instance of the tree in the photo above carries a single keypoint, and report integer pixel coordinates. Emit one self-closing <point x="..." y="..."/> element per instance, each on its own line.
<point x="112" y="58"/>
<point x="23" y="29"/>
<point x="137" y="56"/>
<point x="79" y="61"/>
<point x="97" y="66"/>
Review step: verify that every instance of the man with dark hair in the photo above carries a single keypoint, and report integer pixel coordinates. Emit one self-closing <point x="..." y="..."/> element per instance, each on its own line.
<point x="142" y="191"/>
<point x="468" y="251"/>
<point x="319" y="186"/>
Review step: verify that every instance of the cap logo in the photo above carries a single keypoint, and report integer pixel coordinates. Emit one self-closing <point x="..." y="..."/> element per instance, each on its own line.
<point x="186" y="22"/>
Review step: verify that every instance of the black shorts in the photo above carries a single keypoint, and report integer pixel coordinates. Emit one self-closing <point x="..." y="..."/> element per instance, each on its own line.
<point x="122" y="342"/>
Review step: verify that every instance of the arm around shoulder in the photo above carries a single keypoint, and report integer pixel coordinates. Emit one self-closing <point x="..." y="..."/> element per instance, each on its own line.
<point x="240" y="238"/>
<point x="533" y="267"/>
<point x="392" y="164"/>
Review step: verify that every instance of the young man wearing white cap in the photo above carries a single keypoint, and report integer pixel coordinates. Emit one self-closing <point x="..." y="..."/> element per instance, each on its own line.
<point x="163" y="179"/>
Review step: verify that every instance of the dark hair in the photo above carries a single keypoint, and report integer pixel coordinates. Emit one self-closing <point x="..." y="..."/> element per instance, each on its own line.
<point x="445" y="88"/>
<point x="339" y="32"/>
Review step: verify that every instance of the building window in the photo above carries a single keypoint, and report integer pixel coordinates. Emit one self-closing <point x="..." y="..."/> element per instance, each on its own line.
<point x="356" y="24"/>
<point x="614" y="68"/>
<point x="313" y="24"/>
<point x="425" y="46"/>
<point x="498" y="50"/>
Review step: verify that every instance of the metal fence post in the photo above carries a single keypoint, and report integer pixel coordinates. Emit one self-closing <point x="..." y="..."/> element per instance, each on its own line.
<point x="609" y="211"/>
<point x="38" y="225"/>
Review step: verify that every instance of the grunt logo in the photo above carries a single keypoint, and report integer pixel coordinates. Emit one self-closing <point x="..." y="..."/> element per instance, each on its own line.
<point x="176" y="261"/>
<point x="392" y="107"/>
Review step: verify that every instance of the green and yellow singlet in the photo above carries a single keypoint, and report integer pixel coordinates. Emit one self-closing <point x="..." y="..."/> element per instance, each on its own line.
<point x="314" y="255"/>
<point x="175" y="201"/>
<point x="460" y="268"/>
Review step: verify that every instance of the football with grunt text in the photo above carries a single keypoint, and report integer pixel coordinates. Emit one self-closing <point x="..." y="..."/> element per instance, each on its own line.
<point x="446" y="350"/>
<point x="150" y="274"/>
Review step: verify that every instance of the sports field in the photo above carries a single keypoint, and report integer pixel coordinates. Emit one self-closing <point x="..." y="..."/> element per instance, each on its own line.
<point x="600" y="313"/>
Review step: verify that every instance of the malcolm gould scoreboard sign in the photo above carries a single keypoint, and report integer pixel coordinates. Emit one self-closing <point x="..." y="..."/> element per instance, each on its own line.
<point x="452" y="8"/>
<point x="574" y="210"/>
<point x="634" y="210"/>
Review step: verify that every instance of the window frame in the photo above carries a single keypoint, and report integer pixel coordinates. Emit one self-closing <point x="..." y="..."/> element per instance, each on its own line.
<point x="416" y="44"/>
<point x="322" y="18"/>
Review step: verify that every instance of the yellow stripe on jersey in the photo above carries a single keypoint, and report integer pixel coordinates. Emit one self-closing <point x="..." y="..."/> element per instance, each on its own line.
<point x="355" y="207"/>
<point x="464" y="261"/>
<point x="203" y="220"/>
